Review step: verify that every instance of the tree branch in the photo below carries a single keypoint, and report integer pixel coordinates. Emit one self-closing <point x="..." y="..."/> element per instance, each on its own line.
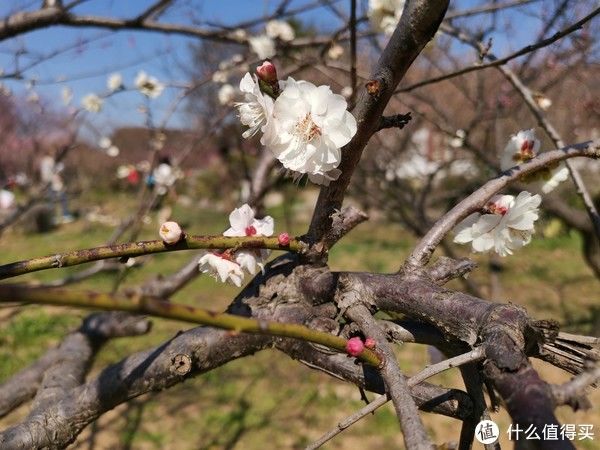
<point x="144" y="248"/>
<point x="426" y="246"/>
<point x="474" y="355"/>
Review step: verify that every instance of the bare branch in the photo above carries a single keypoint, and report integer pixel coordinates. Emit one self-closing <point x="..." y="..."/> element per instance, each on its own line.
<point x="499" y="62"/>
<point x="418" y="24"/>
<point x="413" y="430"/>
<point x="428" y="372"/>
<point x="144" y="248"/>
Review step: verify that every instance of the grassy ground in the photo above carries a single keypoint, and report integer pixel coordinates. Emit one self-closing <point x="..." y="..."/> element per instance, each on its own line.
<point x="268" y="400"/>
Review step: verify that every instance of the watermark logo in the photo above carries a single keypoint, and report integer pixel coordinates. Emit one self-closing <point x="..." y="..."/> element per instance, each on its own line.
<point x="487" y="432"/>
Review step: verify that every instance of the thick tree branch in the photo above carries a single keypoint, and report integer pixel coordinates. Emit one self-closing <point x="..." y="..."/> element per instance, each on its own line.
<point x="413" y="430"/>
<point x="68" y="362"/>
<point x="417" y="26"/>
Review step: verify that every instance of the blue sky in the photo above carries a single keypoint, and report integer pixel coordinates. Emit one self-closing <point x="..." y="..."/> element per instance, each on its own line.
<point x="94" y="53"/>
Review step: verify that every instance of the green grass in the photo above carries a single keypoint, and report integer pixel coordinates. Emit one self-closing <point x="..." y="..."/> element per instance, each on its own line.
<point x="269" y="400"/>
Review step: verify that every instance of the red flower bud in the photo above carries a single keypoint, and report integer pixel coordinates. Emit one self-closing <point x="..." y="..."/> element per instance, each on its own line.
<point x="370" y="343"/>
<point x="267" y="72"/>
<point x="283" y="239"/>
<point x="354" y="346"/>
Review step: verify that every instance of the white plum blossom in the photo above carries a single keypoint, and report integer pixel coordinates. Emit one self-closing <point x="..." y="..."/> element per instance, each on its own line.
<point x="280" y="29"/>
<point x="257" y="110"/>
<point x="220" y="76"/>
<point x="164" y="176"/>
<point x="114" y="82"/>
<point x="147" y="85"/>
<point x="557" y="176"/>
<point x="219" y="266"/>
<point x="384" y="15"/>
<point x="226" y="94"/>
<point x="310" y="126"/>
<point x="92" y="103"/>
<point x="335" y="51"/>
<point x="170" y="232"/>
<point x="239" y="34"/>
<point x="521" y="147"/>
<point x="106" y="144"/>
<point x="243" y="223"/>
<point x="347" y="91"/>
<point x="505" y="224"/>
<point x="263" y="46"/>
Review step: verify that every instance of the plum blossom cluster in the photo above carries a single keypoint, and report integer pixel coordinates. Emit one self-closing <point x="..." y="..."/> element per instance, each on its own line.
<point x="507" y="223"/>
<point x="229" y="266"/>
<point x="303" y="125"/>
<point x="384" y="15"/>
<point x="147" y="85"/>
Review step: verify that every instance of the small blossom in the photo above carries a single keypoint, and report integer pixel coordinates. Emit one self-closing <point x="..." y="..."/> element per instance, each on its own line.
<point x="355" y="346"/>
<point x="520" y="148"/>
<point x="104" y="142"/>
<point x="257" y="110"/>
<point x="220" y="76"/>
<point x="170" y="232"/>
<point x="335" y="51"/>
<point x="505" y="224"/>
<point x="226" y="94"/>
<point x="283" y="239"/>
<point x="557" y="176"/>
<point x="240" y="34"/>
<point x="164" y="176"/>
<point x="384" y="15"/>
<point x="147" y="85"/>
<point x="347" y="91"/>
<point x="542" y="101"/>
<point x="267" y="72"/>
<point x="311" y="126"/>
<point x="243" y="223"/>
<point x="92" y="103"/>
<point x="123" y="171"/>
<point x="458" y="140"/>
<point x="263" y="46"/>
<point x="113" y="151"/>
<point x="280" y="29"/>
<point x="370" y="343"/>
<point x="220" y="267"/>
<point x="114" y="82"/>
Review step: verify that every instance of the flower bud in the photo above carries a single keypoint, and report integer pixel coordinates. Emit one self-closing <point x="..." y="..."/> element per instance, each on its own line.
<point x="267" y="72"/>
<point x="370" y="343"/>
<point x="354" y="346"/>
<point x="283" y="239"/>
<point x="170" y="232"/>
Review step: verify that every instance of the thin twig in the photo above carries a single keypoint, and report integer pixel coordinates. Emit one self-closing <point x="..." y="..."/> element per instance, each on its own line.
<point x="144" y="248"/>
<point x="499" y="62"/>
<point x="474" y="355"/>
<point x="147" y="305"/>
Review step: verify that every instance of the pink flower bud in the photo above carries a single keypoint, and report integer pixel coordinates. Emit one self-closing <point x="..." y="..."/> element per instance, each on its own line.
<point x="267" y="72"/>
<point x="283" y="239"/>
<point x="354" y="346"/>
<point x="370" y="343"/>
<point x="170" y="232"/>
